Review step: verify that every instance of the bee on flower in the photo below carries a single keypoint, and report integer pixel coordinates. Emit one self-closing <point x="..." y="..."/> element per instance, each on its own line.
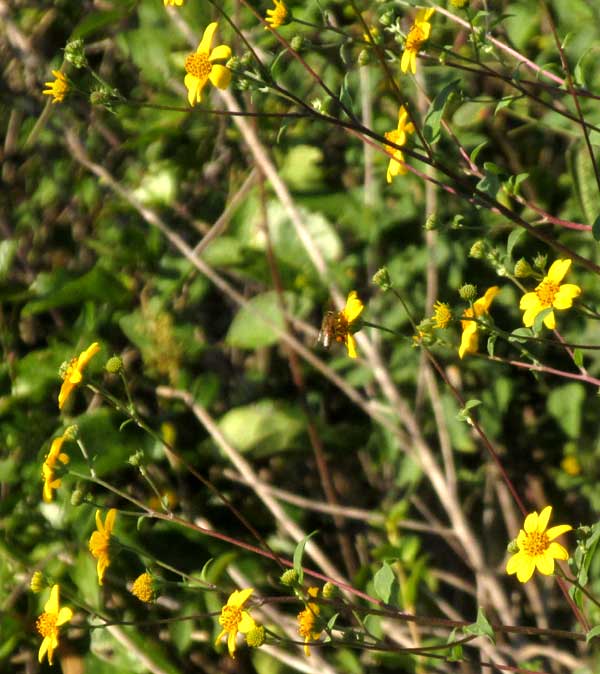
<point x="340" y="326"/>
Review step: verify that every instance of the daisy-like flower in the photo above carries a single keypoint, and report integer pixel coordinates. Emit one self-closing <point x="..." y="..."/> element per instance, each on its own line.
<point x="442" y="315"/>
<point x="537" y="548"/>
<point x="418" y="33"/>
<point x="143" y="588"/>
<point x="49" y="622"/>
<point x="278" y="16"/>
<point x="549" y="294"/>
<point x="172" y="3"/>
<point x="200" y="66"/>
<point x="58" y="88"/>
<point x="234" y="619"/>
<point x="307" y="619"/>
<point x="469" y="342"/>
<point x="100" y="542"/>
<point x="398" y="137"/>
<point x="339" y="326"/>
<point x="73" y="373"/>
<point x="51" y="482"/>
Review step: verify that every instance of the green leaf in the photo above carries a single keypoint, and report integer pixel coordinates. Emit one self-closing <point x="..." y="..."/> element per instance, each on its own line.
<point x="475" y="153"/>
<point x="538" y="323"/>
<point x="594" y="632"/>
<point x="8" y="250"/>
<point x="455" y="653"/>
<point x="463" y="414"/>
<point x="481" y="627"/>
<point x="565" y="404"/>
<point x="513" y="239"/>
<point x="255" y="325"/>
<point x="299" y="554"/>
<point x="578" y="357"/>
<point x="435" y="114"/>
<point x="596" y="228"/>
<point x="97" y="285"/>
<point x="265" y="427"/>
<point x="383" y="582"/>
<point x="504" y="103"/>
<point x="520" y="335"/>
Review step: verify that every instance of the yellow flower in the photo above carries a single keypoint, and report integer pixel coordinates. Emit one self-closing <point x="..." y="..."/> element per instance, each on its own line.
<point x="535" y="547"/>
<point x="306" y="621"/>
<point x="100" y="542"/>
<point x="200" y="66"/>
<point x="143" y="588"/>
<point x="74" y="373"/>
<point x="418" y="33"/>
<point x="338" y="325"/>
<point x="173" y="2"/>
<point x="234" y="619"/>
<point x="57" y="88"/>
<point x="52" y="482"/>
<point x="398" y="137"/>
<point x="549" y="293"/>
<point x="48" y="623"/>
<point x="277" y="17"/>
<point x="442" y="315"/>
<point x="470" y="339"/>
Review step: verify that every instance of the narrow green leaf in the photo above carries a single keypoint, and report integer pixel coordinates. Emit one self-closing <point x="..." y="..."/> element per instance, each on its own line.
<point x="594" y="632"/>
<point x="299" y="554"/>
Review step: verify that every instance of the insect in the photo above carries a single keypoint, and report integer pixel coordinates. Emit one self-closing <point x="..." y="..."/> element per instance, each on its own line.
<point x="328" y="331"/>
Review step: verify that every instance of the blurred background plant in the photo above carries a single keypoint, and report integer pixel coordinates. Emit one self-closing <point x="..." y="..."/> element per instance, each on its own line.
<point x="204" y="245"/>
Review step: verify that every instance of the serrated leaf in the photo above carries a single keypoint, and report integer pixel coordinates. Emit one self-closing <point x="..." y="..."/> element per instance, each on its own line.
<point x="383" y="582"/>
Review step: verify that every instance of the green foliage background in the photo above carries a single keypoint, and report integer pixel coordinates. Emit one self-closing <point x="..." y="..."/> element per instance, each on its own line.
<point x="79" y="264"/>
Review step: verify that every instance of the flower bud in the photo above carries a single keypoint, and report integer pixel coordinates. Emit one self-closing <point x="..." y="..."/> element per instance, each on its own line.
<point x="289" y="577"/>
<point x="75" y="54"/>
<point x="513" y="547"/>
<point x="77" y="497"/>
<point x="468" y="292"/>
<point x="297" y="42"/>
<point x="431" y="222"/>
<point x="38" y="582"/>
<point x="256" y="636"/>
<point x="136" y="459"/>
<point x="382" y="279"/>
<point x="71" y="432"/>
<point x="540" y="261"/>
<point x="477" y="249"/>
<point x="523" y="269"/>
<point x="114" y="365"/>
<point x="387" y="18"/>
<point x="329" y="590"/>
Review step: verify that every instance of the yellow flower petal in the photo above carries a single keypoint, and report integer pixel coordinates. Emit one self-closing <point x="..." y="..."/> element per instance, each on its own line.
<point x="353" y="308"/>
<point x="545" y="564"/>
<point x="549" y="320"/>
<point x="207" y="38"/>
<point x="526" y="569"/>
<point x="558" y="270"/>
<point x="220" y="53"/>
<point x="531" y="523"/>
<point x="351" y="346"/>
<point x="220" y="76"/>
<point x="544" y="518"/>
<point x="565" y="296"/>
<point x="557" y="551"/>
<point x="555" y="532"/>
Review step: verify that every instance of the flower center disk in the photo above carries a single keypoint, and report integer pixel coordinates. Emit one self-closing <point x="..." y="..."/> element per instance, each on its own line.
<point x="230" y="618"/>
<point x="46" y="624"/>
<point x="198" y="65"/>
<point x="546" y="292"/>
<point x="415" y="38"/>
<point x="536" y="544"/>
